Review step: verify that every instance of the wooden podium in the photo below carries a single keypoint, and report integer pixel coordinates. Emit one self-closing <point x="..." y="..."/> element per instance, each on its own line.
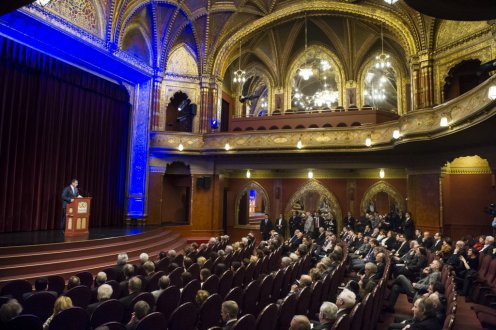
<point x="77" y="217"/>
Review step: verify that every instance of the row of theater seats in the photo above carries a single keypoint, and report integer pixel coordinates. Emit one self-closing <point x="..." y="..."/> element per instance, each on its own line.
<point x="484" y="292"/>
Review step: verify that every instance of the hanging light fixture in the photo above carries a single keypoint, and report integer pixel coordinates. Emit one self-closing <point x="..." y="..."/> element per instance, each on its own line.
<point x="306" y="71"/>
<point x="239" y="75"/>
<point x="382" y="60"/>
<point x="248" y="174"/>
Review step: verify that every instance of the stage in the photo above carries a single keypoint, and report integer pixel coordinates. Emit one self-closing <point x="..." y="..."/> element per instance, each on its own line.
<point x="28" y="255"/>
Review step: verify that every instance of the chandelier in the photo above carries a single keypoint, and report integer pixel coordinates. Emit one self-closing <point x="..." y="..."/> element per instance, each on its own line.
<point x="325" y="97"/>
<point x="306" y="72"/>
<point x="382" y="60"/>
<point x="239" y="75"/>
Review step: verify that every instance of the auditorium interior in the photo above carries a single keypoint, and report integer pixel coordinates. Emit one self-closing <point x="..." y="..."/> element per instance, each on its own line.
<point x="198" y="117"/>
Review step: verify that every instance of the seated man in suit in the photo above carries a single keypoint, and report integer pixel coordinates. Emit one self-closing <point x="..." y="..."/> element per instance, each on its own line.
<point x="327" y="316"/>
<point x="134" y="288"/>
<point x="229" y="314"/>
<point x="345" y="302"/>
<point x="9" y="310"/>
<point x="300" y="322"/>
<point x="141" y="309"/>
<point x="100" y="279"/>
<point x="163" y="283"/>
<point x="73" y="282"/>
<point x="40" y="285"/>
<point x="424" y="315"/>
<point x="128" y="272"/>
<point x="104" y="293"/>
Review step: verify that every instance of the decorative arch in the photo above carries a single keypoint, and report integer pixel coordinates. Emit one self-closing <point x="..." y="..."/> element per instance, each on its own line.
<point x="382" y="186"/>
<point x="314" y="185"/>
<point x="249" y="186"/>
<point x="301" y="58"/>
<point x="182" y="61"/>
<point x="402" y="77"/>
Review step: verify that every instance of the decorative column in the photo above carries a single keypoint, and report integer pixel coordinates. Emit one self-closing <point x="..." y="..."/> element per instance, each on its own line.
<point x="155" y="122"/>
<point x="206" y="104"/>
<point x="423" y="81"/>
<point x="141" y="96"/>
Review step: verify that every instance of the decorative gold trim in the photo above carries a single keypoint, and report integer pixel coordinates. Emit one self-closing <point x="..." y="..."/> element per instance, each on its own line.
<point x="315" y="185"/>
<point x="467" y="165"/>
<point x="382" y="186"/>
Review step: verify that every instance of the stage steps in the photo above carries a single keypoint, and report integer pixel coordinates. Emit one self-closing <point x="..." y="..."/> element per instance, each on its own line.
<point x="66" y="259"/>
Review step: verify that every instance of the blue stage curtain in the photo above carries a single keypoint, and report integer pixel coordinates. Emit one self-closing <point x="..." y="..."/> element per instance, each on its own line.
<point x="58" y="122"/>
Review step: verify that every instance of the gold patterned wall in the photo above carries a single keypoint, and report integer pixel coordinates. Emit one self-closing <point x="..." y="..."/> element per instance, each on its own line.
<point x="82" y="13"/>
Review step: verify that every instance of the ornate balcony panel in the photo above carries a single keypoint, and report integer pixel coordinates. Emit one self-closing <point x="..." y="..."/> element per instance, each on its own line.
<point x="424" y="125"/>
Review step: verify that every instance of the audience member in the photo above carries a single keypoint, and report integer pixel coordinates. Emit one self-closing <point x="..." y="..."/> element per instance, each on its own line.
<point x="134" y="288"/>
<point x="300" y="322"/>
<point x="140" y="310"/>
<point x="345" y="302"/>
<point x="229" y="313"/>
<point x="9" y="310"/>
<point x="163" y="283"/>
<point x="201" y="296"/>
<point x="73" y="282"/>
<point x="40" y="285"/>
<point x="104" y="293"/>
<point x="61" y="304"/>
<point x="327" y="316"/>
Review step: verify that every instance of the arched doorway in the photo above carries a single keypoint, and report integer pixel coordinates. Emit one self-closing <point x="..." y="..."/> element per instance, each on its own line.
<point x="251" y="204"/>
<point x="381" y="197"/>
<point x="313" y="196"/>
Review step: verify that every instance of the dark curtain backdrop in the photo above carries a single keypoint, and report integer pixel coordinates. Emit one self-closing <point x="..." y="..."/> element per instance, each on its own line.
<point x="58" y="122"/>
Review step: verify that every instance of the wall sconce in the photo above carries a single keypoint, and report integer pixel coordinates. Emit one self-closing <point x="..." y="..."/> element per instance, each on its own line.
<point x="227" y="147"/>
<point x="310" y="174"/>
<point x="180" y="147"/>
<point x="368" y="142"/>
<point x="491" y="93"/>
<point x="248" y="174"/>
<point x="382" y="173"/>
<point x="299" y="144"/>
<point x="396" y="134"/>
<point x="444" y="121"/>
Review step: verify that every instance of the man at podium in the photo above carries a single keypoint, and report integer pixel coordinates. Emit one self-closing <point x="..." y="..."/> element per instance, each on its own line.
<point x="70" y="192"/>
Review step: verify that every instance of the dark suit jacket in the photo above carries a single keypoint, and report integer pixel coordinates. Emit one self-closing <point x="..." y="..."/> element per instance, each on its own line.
<point x="430" y="323"/>
<point x="265" y="228"/>
<point x="229" y="325"/>
<point x="92" y="307"/>
<point x="281" y="230"/>
<point x="402" y="249"/>
<point x="67" y="195"/>
<point x="409" y="229"/>
<point x="323" y="326"/>
<point x="126" y="301"/>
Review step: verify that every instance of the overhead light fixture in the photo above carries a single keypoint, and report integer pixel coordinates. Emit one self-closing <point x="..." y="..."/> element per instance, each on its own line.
<point x="180" y="147"/>
<point x="396" y="134"/>
<point x="382" y="59"/>
<point x="491" y="93"/>
<point x="444" y="121"/>
<point x="227" y="147"/>
<point x="368" y="142"/>
<point x="391" y="2"/>
<point x="299" y="144"/>
<point x="310" y="174"/>
<point x="239" y="75"/>
<point x="381" y="173"/>
<point x="248" y="174"/>
<point x="306" y="72"/>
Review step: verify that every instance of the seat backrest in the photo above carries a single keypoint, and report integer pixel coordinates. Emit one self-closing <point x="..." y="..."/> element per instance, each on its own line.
<point x="265" y="290"/>
<point x="208" y="264"/>
<point x="248" y="274"/>
<point x="168" y="300"/>
<point x="108" y="311"/>
<point x="162" y="265"/>
<point x="114" y="326"/>
<point x="225" y="283"/>
<point x="116" y="288"/>
<point x="74" y="318"/>
<point x="56" y="283"/>
<point x="286" y="312"/>
<point x="112" y="274"/>
<point x="86" y="278"/>
<point x="266" y="319"/>
<point x="183" y="317"/>
<point x="449" y="322"/>
<point x="303" y="301"/>
<point x="250" y="298"/>
<point x="356" y="316"/>
<point x="194" y="270"/>
<point x="80" y="296"/>
<point x="175" y="277"/>
<point x="235" y="294"/>
<point x="276" y="285"/>
<point x="31" y="322"/>
<point x="211" y="284"/>
<point x="189" y="291"/>
<point x="315" y="298"/>
<point x="257" y="271"/>
<point x="16" y="289"/>
<point x="153" y="321"/>
<point x="152" y="284"/>
<point x="145" y="296"/>
<point x="343" y="323"/>
<point x="39" y="304"/>
<point x="247" y="322"/>
<point x="239" y="277"/>
<point x="209" y="313"/>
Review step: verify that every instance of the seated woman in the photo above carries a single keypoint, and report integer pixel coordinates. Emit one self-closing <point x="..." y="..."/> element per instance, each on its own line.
<point x="61" y="304"/>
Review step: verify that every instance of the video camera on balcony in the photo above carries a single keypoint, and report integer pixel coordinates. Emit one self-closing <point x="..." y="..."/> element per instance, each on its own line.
<point x="491" y="209"/>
